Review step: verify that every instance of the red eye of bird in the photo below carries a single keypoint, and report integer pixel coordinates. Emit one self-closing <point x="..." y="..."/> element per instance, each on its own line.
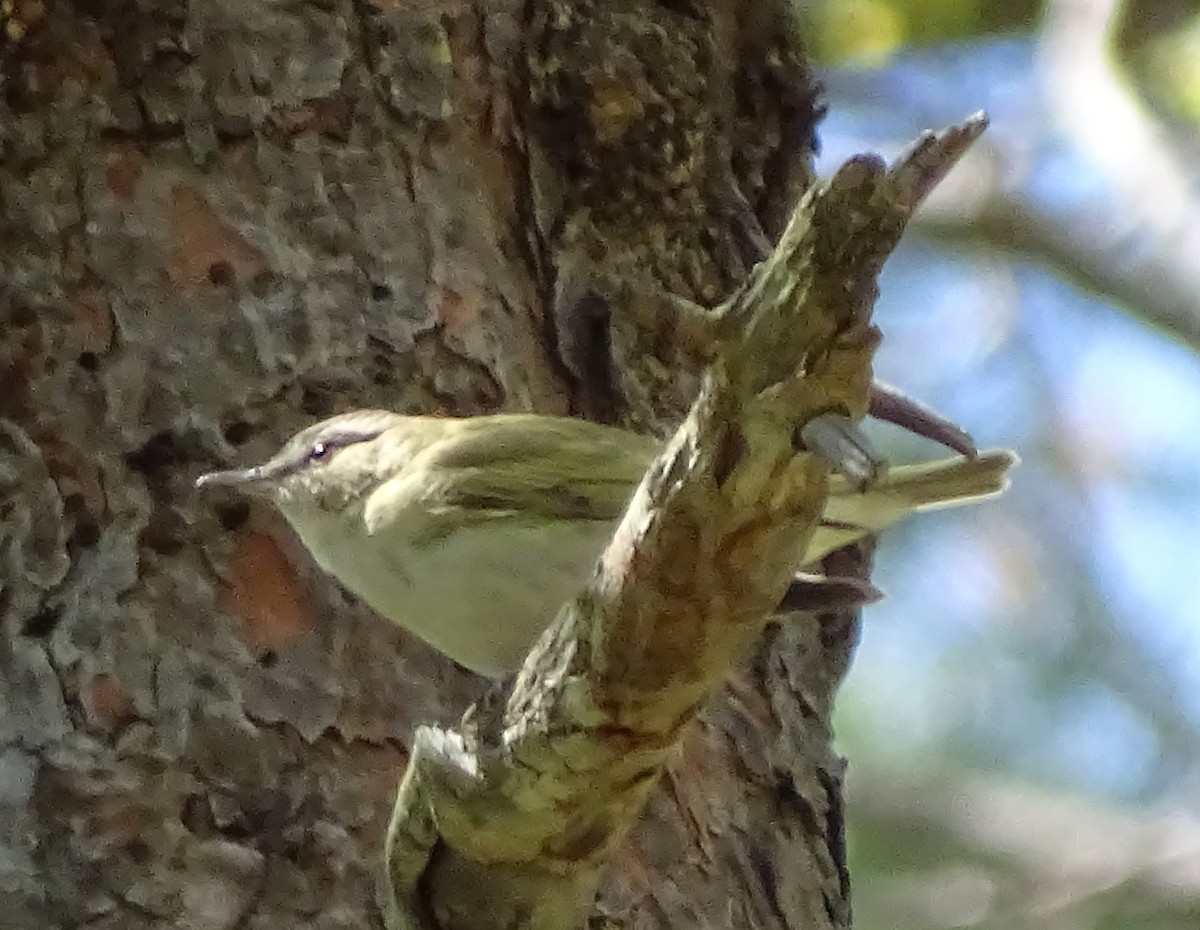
<point x="319" y="451"/>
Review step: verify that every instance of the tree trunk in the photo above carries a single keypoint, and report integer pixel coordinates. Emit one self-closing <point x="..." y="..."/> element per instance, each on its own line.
<point x="224" y="220"/>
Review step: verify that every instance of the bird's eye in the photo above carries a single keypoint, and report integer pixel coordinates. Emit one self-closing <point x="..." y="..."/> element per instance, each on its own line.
<point x="319" y="451"/>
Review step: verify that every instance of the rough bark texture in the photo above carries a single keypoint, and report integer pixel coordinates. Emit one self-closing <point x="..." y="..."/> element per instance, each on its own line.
<point x="219" y="221"/>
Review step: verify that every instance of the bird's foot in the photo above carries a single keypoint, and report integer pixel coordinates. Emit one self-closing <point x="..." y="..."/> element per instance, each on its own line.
<point x="838" y="440"/>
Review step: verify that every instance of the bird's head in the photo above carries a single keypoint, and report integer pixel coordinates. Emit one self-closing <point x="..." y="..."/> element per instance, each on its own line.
<point x="328" y="466"/>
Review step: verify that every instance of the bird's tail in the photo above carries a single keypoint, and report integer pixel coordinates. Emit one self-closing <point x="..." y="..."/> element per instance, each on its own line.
<point x="852" y="513"/>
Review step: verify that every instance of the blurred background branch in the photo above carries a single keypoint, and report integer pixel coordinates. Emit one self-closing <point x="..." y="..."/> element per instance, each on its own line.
<point x="1134" y="242"/>
<point x="991" y="853"/>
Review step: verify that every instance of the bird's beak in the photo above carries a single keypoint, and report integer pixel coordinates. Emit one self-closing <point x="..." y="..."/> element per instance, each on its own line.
<point x="248" y="479"/>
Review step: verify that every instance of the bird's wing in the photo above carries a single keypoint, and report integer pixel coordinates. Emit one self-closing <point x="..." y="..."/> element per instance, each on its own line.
<point x="537" y="468"/>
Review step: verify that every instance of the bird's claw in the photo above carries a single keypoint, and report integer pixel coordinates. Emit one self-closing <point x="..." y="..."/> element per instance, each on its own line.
<point x="889" y="403"/>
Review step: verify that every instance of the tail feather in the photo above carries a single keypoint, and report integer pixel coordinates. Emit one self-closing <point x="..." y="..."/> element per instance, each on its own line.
<point x="851" y="514"/>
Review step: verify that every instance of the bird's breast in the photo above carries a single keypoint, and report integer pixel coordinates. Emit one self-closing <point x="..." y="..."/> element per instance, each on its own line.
<point x="481" y="593"/>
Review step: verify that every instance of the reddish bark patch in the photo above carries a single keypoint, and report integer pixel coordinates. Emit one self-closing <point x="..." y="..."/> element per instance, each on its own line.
<point x="80" y="483"/>
<point x="109" y="704"/>
<point x="93" y="318"/>
<point x="118" y="822"/>
<point x="329" y="116"/>
<point x="382" y="763"/>
<point x="458" y="312"/>
<point x="124" y="166"/>
<point x="22" y="363"/>
<point x="205" y="241"/>
<point x="379" y="768"/>
<point x="265" y="593"/>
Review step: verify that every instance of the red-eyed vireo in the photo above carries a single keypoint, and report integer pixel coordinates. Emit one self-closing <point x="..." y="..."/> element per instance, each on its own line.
<point x="472" y="532"/>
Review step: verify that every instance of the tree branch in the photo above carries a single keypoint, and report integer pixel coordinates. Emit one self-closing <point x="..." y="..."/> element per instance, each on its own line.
<point x="508" y="823"/>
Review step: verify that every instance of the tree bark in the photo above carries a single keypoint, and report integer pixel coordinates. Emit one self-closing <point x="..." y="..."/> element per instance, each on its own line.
<point x="221" y="221"/>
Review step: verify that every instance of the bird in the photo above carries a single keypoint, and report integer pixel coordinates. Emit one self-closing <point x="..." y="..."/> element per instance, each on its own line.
<point x="470" y="532"/>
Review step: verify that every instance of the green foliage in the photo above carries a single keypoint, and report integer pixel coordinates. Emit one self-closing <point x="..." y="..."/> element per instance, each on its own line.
<point x="872" y="30"/>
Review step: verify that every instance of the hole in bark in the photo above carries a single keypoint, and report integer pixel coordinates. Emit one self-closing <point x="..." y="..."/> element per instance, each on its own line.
<point x="380" y="292"/>
<point x="221" y="273"/>
<point x="89" y="361"/>
<point x="233" y="514"/>
<point x="43" y="622"/>
<point x="86" y="534"/>
<point x="682" y="7"/>
<point x="196" y="816"/>
<point x="160" y="451"/>
<point x="139" y="851"/>
<point x="729" y="453"/>
<point x="238" y="432"/>
<point x="315" y="402"/>
<point x="23" y="315"/>
<point x="165" y="532"/>
<point x="205" y="683"/>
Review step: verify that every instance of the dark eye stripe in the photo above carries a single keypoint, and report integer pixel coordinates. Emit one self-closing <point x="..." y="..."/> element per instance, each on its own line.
<point x="331" y="442"/>
<point x="317" y="451"/>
